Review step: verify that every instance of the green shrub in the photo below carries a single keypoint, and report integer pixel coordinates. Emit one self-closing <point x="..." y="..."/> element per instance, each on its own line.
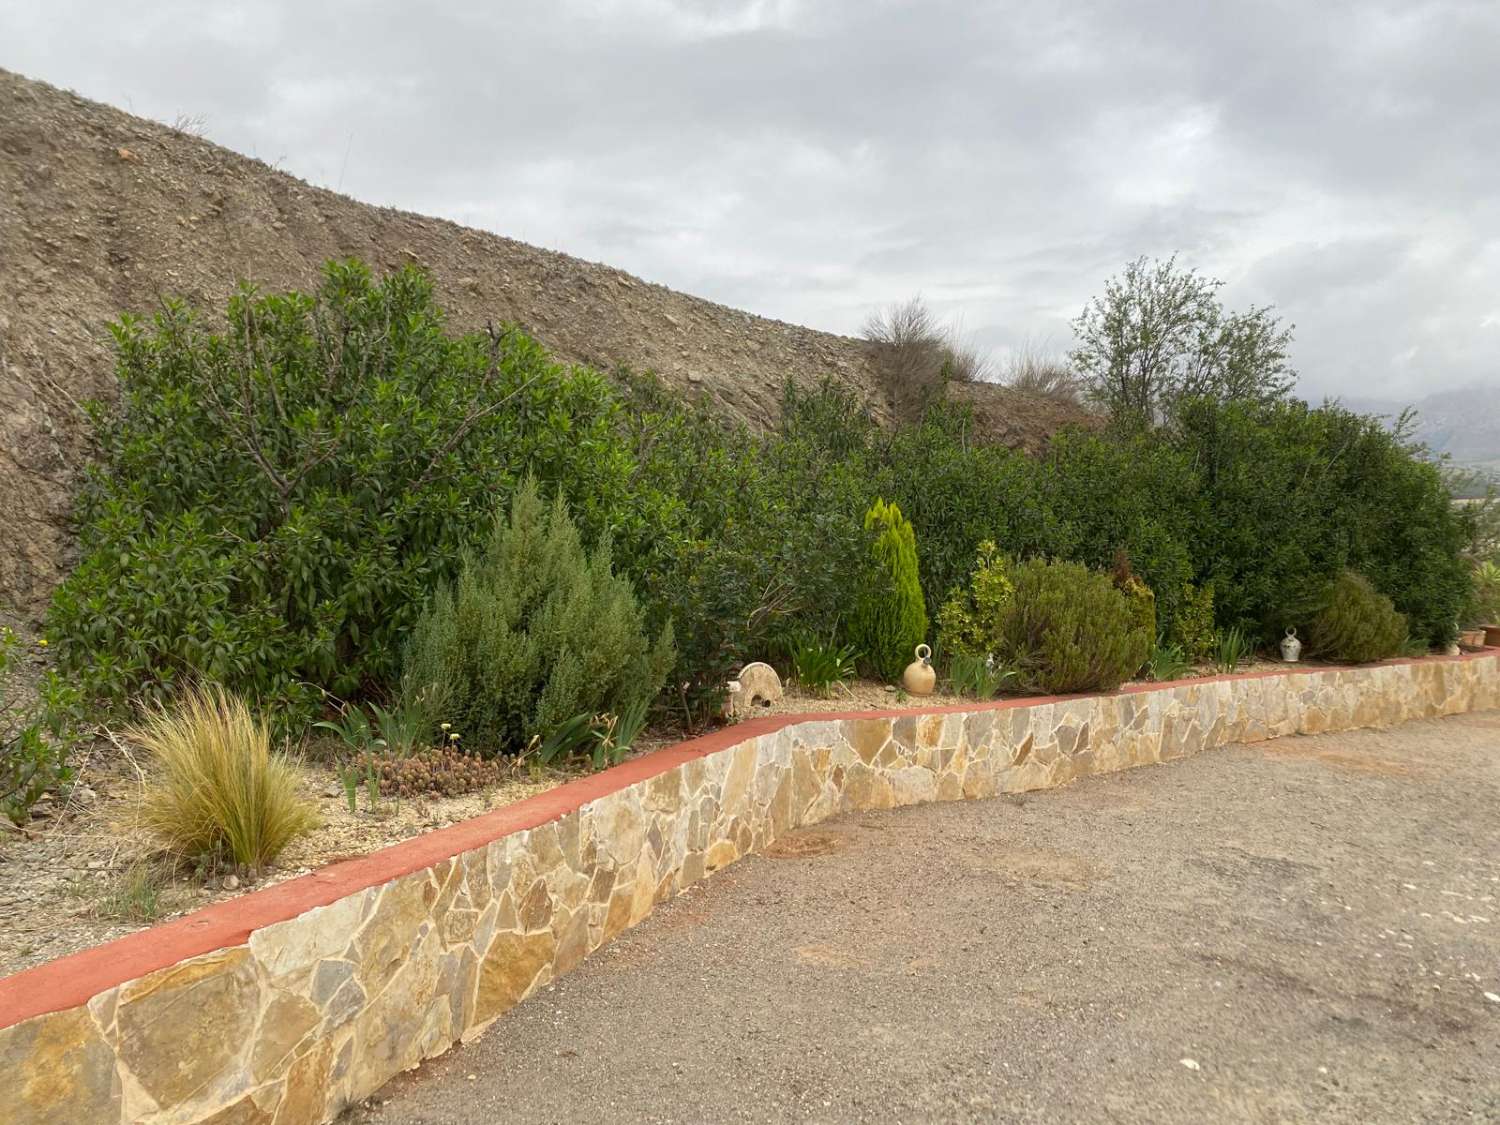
<point x="1486" y="605"/>
<point x="1142" y="600"/>
<point x="215" y="789"/>
<point x="1068" y="630"/>
<point x="273" y="503"/>
<point x="1356" y="623"/>
<point x="536" y="631"/>
<point x="976" y="676"/>
<point x="819" y="665"/>
<point x="969" y="621"/>
<point x="1231" y="649"/>
<point x="1168" y="662"/>
<point x="1292" y="495"/>
<point x="890" y="617"/>
<point x="1192" y="625"/>
<point x="38" y="731"/>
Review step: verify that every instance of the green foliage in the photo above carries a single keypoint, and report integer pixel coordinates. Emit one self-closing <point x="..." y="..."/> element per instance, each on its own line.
<point x="890" y="616"/>
<point x="1192" y="625"/>
<point x="818" y="664"/>
<point x="273" y="504"/>
<point x="976" y="676"/>
<point x="1068" y="629"/>
<point x="1293" y="495"/>
<point x="276" y="504"/>
<point x="215" y="789"/>
<point x="536" y="631"/>
<point x="1486" y="604"/>
<point x="614" y="735"/>
<point x="1128" y="496"/>
<point x="1231" y="649"/>
<point x="1159" y="334"/>
<point x="969" y="621"/>
<point x="1356" y="623"/>
<point x="37" y="732"/>
<point x="1142" y="600"/>
<point x="1168" y="662"/>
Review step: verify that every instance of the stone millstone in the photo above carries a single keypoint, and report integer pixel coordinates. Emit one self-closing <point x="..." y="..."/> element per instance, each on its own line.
<point x="757" y="685"/>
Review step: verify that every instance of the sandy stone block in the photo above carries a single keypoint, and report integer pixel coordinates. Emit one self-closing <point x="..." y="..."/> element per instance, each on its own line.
<point x="664" y="792"/>
<point x="734" y="797"/>
<point x="512" y="964"/>
<point x="913" y="786"/>
<point x="287" y="1020"/>
<point x="289" y="947"/>
<point x="619" y="825"/>
<point x="867" y="737"/>
<point x="59" y="1070"/>
<point x="184" y="1030"/>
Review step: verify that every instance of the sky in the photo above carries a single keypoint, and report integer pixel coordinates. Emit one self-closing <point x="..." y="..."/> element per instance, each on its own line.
<point x="819" y="160"/>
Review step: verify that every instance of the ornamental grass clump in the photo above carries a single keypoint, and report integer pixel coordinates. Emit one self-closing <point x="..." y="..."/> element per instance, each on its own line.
<point x="1356" y="623"/>
<point x="890" y="617"/>
<point x="215" y="789"/>
<point x="1067" y="629"/>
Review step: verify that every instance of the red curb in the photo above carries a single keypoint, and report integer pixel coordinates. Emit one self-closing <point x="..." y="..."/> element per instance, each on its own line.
<point x="72" y="980"/>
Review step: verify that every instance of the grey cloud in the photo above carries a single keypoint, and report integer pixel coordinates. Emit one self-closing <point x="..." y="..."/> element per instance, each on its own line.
<point x="815" y="160"/>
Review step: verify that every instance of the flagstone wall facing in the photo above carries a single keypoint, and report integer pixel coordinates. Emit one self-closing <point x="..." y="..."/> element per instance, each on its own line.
<point x="311" y="994"/>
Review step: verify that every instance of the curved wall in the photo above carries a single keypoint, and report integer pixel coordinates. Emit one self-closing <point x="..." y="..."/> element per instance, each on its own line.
<point x="286" y="1005"/>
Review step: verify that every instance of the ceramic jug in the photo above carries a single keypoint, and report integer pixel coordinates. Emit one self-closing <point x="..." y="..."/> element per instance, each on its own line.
<point x="1291" y="647"/>
<point x="920" y="677"/>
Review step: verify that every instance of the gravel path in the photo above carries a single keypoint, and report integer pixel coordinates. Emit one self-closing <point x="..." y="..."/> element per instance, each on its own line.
<point x="1304" y="930"/>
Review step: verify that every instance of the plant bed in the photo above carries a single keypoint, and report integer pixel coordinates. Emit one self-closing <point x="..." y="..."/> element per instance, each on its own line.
<point x="79" y="874"/>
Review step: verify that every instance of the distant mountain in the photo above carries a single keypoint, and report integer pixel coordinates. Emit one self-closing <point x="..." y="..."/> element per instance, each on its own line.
<point x="1464" y="424"/>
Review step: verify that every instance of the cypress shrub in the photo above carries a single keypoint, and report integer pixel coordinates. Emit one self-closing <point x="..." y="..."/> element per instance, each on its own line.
<point x="535" y="631"/>
<point x="1068" y="629"/>
<point x="1356" y="623"/>
<point x="890" y="617"/>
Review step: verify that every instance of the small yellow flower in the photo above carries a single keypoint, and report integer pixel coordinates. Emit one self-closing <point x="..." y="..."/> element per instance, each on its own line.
<point x="42" y="641"/>
<point x="445" y="726"/>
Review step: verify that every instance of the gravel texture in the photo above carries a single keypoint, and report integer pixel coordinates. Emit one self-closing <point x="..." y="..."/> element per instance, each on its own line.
<point x="1302" y="930"/>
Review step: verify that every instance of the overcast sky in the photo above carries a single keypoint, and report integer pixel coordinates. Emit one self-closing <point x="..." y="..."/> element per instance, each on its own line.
<point x="814" y="160"/>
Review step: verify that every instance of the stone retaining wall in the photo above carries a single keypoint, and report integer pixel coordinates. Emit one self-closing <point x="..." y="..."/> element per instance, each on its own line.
<point x="287" y="1005"/>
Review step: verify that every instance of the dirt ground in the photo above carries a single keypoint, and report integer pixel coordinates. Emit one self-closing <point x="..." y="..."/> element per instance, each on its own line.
<point x="1303" y="930"/>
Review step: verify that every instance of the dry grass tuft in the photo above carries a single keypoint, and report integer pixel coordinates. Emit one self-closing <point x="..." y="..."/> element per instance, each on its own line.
<point x="217" y="789"/>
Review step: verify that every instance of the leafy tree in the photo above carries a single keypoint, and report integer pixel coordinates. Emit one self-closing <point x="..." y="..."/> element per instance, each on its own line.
<point x="1160" y="333"/>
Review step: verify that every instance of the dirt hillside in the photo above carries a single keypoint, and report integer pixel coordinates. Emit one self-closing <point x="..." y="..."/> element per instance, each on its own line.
<point x="103" y="212"/>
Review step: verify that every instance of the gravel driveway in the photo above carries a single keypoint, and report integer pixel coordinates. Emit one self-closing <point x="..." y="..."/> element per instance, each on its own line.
<point x="1302" y="930"/>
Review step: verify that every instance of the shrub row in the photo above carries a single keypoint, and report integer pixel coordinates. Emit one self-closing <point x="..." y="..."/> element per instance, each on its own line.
<point x="276" y="505"/>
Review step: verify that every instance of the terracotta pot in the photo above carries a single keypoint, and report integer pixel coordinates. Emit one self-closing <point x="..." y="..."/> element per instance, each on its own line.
<point x="1492" y="635"/>
<point x="1471" y="638"/>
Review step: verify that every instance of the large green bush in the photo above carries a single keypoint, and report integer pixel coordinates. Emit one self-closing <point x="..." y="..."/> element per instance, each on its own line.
<point x="273" y="503"/>
<point x="1292" y="495"/>
<point x="535" y="631"/>
<point x="890" y="617"/>
<point x="1355" y="623"/>
<point x="1068" y="629"/>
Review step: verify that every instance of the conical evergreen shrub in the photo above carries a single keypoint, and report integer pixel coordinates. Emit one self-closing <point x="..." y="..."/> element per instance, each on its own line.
<point x="890" y="616"/>
<point x="535" y="631"/>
